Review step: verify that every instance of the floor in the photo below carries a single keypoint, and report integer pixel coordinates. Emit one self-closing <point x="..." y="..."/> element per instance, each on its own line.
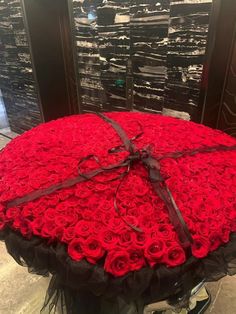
<point x="23" y="293"/>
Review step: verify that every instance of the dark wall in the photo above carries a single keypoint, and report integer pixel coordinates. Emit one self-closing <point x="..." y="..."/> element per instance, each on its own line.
<point x="16" y="75"/>
<point x="130" y="55"/>
<point x="219" y="104"/>
<point x="227" y="114"/>
<point x="163" y="42"/>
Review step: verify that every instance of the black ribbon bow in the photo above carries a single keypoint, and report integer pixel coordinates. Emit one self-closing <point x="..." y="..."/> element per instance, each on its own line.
<point x="143" y="157"/>
<point x="158" y="182"/>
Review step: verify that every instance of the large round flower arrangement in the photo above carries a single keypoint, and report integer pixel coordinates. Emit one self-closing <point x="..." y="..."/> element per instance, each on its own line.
<point x="83" y="216"/>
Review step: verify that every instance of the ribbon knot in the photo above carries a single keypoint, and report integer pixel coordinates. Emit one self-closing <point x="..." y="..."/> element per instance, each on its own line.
<point x="134" y="157"/>
<point x="150" y="163"/>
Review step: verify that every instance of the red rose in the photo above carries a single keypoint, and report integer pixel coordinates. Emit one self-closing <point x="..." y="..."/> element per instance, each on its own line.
<point x="154" y="251"/>
<point x="169" y="243"/>
<point x="39" y="208"/>
<point x="139" y="186"/>
<point x="83" y="228"/>
<point x="68" y="234"/>
<point x="25" y="228"/>
<point x="174" y="256"/>
<point x="69" y="205"/>
<point x="108" y="239"/>
<point x="191" y="225"/>
<point x="93" y="201"/>
<point x="12" y="213"/>
<point x="97" y="227"/>
<point x="7" y="196"/>
<point x="36" y="225"/>
<point x="83" y="203"/>
<point x="96" y="216"/>
<point x="116" y="225"/>
<point x="87" y="166"/>
<point x="132" y="220"/>
<point x="160" y="217"/>
<point x="102" y="187"/>
<point x="92" y="249"/>
<point x="65" y="194"/>
<point x="132" y="211"/>
<point x="125" y="202"/>
<point x="146" y="221"/>
<point x="48" y="229"/>
<point x="74" y="250"/>
<point x="117" y="263"/>
<point x="106" y="206"/>
<point x="203" y="229"/>
<point x="146" y="209"/>
<point x="213" y="223"/>
<point x="215" y="241"/>
<point x="201" y="215"/>
<point x="200" y="246"/>
<point x="27" y="212"/>
<point x="107" y="217"/>
<point x="54" y="200"/>
<point x="60" y="221"/>
<point x="17" y="222"/>
<point x="60" y="207"/>
<point x="136" y="258"/>
<point x="88" y="214"/>
<point x="72" y="217"/>
<point x="166" y="231"/>
<point x="37" y="180"/>
<point x="49" y="214"/>
<point x="154" y="234"/>
<point x="126" y="238"/>
<point x="140" y="239"/>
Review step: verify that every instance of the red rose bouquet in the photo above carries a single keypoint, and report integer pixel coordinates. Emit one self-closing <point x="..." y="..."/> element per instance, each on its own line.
<point x="135" y="230"/>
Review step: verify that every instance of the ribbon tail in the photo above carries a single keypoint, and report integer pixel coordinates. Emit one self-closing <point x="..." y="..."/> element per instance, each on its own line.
<point x="129" y="146"/>
<point x="82" y="177"/>
<point x="201" y="150"/>
<point x="51" y="189"/>
<point x="135" y="228"/>
<point x="175" y="215"/>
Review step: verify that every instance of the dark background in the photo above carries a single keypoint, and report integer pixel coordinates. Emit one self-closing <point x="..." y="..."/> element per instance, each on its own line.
<point x="170" y="57"/>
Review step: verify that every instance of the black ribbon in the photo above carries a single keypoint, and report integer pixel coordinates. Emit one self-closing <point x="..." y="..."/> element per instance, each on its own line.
<point x="142" y="156"/>
<point x="158" y="182"/>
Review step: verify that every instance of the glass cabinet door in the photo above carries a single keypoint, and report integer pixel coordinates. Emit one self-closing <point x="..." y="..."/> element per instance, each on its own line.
<point x="140" y="54"/>
<point x="102" y="31"/>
